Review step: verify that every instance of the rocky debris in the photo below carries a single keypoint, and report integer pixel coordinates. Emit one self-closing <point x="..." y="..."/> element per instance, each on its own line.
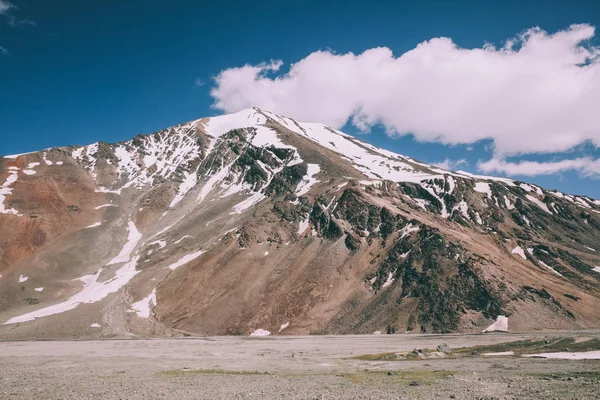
<point x="444" y="348"/>
<point x="426" y="354"/>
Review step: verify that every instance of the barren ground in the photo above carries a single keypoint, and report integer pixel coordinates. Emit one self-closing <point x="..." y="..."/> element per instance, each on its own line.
<point x="307" y="367"/>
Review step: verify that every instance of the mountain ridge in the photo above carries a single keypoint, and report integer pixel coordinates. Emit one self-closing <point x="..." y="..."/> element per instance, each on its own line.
<point x="179" y="207"/>
<point x="268" y="114"/>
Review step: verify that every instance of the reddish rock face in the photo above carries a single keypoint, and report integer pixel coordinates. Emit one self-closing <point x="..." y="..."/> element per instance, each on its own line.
<point x="50" y="202"/>
<point x="256" y="222"/>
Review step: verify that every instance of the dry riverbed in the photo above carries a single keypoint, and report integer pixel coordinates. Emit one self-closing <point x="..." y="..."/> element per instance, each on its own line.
<point x="314" y="367"/>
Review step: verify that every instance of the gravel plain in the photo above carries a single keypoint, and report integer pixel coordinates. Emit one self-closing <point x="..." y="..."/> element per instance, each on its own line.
<point x="301" y="367"/>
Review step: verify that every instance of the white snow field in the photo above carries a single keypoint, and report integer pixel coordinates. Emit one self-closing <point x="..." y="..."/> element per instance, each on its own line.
<point x="93" y="290"/>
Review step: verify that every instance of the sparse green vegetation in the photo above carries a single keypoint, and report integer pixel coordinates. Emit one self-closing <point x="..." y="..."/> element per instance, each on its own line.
<point x="399" y="377"/>
<point x="518" y="347"/>
<point x="184" y="371"/>
<point x="586" y="375"/>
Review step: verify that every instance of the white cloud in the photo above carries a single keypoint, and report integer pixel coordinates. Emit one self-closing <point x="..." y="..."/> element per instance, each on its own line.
<point x="539" y="93"/>
<point x="451" y="165"/>
<point x="4" y="7"/>
<point x="586" y="166"/>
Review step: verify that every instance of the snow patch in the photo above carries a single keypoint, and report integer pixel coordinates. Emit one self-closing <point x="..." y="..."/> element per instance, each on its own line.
<point x="543" y="264"/>
<point x="23" y="278"/>
<point x="519" y="251"/>
<point x="94" y="325"/>
<point x="5" y="190"/>
<point x="93" y="225"/>
<point x="13" y="156"/>
<point x="133" y="238"/>
<point x="260" y="332"/>
<point x="92" y="292"/>
<point x="45" y="157"/>
<point x="499" y="353"/>
<point x="433" y="190"/>
<point x="500" y="325"/>
<point x="102" y="189"/>
<point x="388" y="281"/>
<point x="526" y="187"/>
<point x="161" y="243"/>
<point x="509" y="205"/>
<point x="506" y="181"/>
<point x="105" y="205"/>
<point x="463" y="208"/>
<point x="189" y="181"/>
<point x="183" y="238"/>
<point x="451" y="184"/>
<point x="309" y="179"/>
<point x="421" y="203"/>
<point x="407" y="230"/>
<point x="584" y="355"/>
<point x="77" y="154"/>
<point x="218" y="126"/>
<point x="302" y="226"/>
<point x="143" y="307"/>
<point x="284" y="326"/>
<point x="483" y="187"/>
<point x="186" y="259"/>
<point x="249" y="202"/>
<point x="39" y="289"/>
<point x="538" y="203"/>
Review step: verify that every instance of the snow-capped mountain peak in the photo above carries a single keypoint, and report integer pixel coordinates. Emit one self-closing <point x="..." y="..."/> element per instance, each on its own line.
<point x="250" y="221"/>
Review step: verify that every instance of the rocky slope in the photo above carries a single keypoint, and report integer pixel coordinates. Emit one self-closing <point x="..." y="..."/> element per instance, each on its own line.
<point x="253" y="222"/>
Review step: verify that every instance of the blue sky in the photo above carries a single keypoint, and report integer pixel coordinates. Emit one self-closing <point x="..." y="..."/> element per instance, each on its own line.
<point x="76" y="72"/>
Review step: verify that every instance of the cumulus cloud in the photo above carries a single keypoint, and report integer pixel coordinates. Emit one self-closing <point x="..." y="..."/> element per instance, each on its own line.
<point x="451" y="165"/>
<point x="538" y="93"/>
<point x="586" y="166"/>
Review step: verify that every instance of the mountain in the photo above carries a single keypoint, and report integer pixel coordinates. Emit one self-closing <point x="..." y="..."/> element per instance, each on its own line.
<point x="252" y="222"/>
